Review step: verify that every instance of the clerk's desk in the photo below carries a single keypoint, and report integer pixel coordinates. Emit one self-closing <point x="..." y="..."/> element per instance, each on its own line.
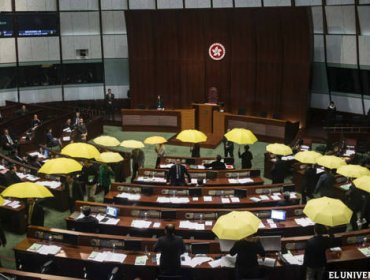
<point x="223" y="177"/>
<point x="73" y="261"/>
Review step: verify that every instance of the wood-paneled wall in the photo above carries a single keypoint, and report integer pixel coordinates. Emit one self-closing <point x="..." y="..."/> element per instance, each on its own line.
<point x="266" y="67"/>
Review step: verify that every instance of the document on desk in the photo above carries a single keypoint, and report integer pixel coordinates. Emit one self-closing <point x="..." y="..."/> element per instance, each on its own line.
<point x="163" y="199"/>
<point x="365" y="251"/>
<point x="245" y="180"/>
<point x="207" y="198"/>
<point x="215" y="263"/>
<point x="264" y="197"/>
<point x="225" y="200"/>
<point x="156" y="225"/>
<point x="304" y="222"/>
<point x="269" y="262"/>
<point x="199" y="260"/>
<point x="21" y="175"/>
<point x="141" y="224"/>
<point x="50" y="184"/>
<point x="287" y="158"/>
<point x="14" y="204"/>
<point x="130" y="196"/>
<point x="141" y="260"/>
<point x="169" y="165"/>
<point x="66" y="138"/>
<point x="177" y="200"/>
<point x="275" y="197"/>
<point x="293" y="259"/>
<point x="292" y="195"/>
<point x="44" y="249"/>
<point x="235" y="199"/>
<point x="255" y="199"/>
<point x="107" y="256"/>
<point x="228" y="261"/>
<point x="233" y="181"/>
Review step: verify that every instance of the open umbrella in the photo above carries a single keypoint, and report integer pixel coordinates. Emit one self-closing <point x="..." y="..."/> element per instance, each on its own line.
<point x="60" y="166"/>
<point x="279" y="149"/>
<point x="155" y="140"/>
<point x="106" y="141"/>
<point x="241" y="136"/>
<point x="80" y="150"/>
<point x="363" y="183"/>
<point x="331" y="162"/>
<point x="328" y="211"/>
<point x="109" y="157"/>
<point x="132" y="144"/>
<point x="191" y="136"/>
<point x="353" y="171"/>
<point x="26" y="190"/>
<point x="308" y="157"/>
<point x="1" y="200"/>
<point x="236" y="225"/>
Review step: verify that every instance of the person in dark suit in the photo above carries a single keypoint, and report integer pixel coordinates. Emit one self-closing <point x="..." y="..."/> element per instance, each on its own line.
<point x="246" y="158"/>
<point x="247" y="249"/>
<point x="331" y="112"/>
<point x="22" y="111"/>
<point x="87" y="223"/>
<point x="195" y="150"/>
<point x="8" y="142"/>
<point x="89" y="177"/>
<point x="52" y="141"/>
<point x="325" y="184"/>
<point x="217" y="164"/>
<point x="355" y="199"/>
<point x="35" y="122"/>
<point x="36" y="213"/>
<point x="2" y="237"/>
<point x="109" y="104"/>
<point x="228" y="147"/>
<point x="212" y="96"/>
<point x="308" y="182"/>
<point x="278" y="171"/>
<point x="176" y="175"/>
<point x="76" y="119"/>
<point x="138" y="159"/>
<point x="314" y="255"/>
<point x="81" y="131"/>
<point x="171" y="247"/>
<point x="68" y="125"/>
<point x="72" y="187"/>
<point x="11" y="176"/>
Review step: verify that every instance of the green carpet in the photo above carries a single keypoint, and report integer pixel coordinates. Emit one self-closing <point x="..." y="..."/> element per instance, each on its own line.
<point x="56" y="219"/>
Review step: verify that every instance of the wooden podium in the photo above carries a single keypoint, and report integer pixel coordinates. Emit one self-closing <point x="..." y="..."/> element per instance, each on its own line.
<point x="204" y="116"/>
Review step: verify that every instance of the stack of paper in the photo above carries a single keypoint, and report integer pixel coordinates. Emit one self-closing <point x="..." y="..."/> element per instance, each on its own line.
<point x="215" y="263"/>
<point x="245" y="180"/>
<point x="14" y="204"/>
<point x="179" y="199"/>
<point x="264" y="197"/>
<point x="166" y="165"/>
<point x="225" y="200"/>
<point x="104" y="219"/>
<point x="271" y="223"/>
<point x="141" y="223"/>
<point x="191" y="225"/>
<point x="269" y="262"/>
<point x="36" y="154"/>
<point x="44" y="249"/>
<point x="50" y="184"/>
<point x="287" y="158"/>
<point x="297" y="259"/>
<point x="107" y="256"/>
<point x="304" y="222"/>
<point x="235" y="199"/>
<point x="255" y="199"/>
<point x="141" y="260"/>
<point x="233" y="181"/>
<point x="207" y="198"/>
<point x="130" y="196"/>
<point x="163" y="199"/>
<point x="292" y="195"/>
<point x="365" y="251"/>
<point x="228" y="261"/>
<point x="159" y="180"/>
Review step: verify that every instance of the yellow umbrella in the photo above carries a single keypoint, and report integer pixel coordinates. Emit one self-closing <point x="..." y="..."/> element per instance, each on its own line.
<point x="241" y="136"/>
<point x="308" y="157"/>
<point x="107" y="141"/>
<point x="279" y="149"/>
<point x="1" y="200"/>
<point x="363" y="183"/>
<point x="80" y="150"/>
<point x="132" y="144"/>
<point x="353" y="171"/>
<point x="26" y="190"/>
<point x="328" y="211"/>
<point x="191" y="136"/>
<point x="109" y="157"/>
<point x="155" y="140"/>
<point x="331" y="162"/>
<point x="60" y="166"/>
<point x="236" y="225"/>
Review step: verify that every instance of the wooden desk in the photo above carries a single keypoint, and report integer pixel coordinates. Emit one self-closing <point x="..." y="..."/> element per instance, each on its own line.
<point x="193" y="163"/>
<point x="23" y="275"/>
<point x="15" y="219"/>
<point x="157" y="120"/>
<point x="204" y="116"/>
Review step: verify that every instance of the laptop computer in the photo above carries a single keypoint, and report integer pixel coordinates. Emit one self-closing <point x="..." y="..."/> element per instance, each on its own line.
<point x="112" y="212"/>
<point x="279" y="215"/>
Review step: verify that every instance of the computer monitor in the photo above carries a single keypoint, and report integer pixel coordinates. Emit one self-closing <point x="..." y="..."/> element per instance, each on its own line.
<point x="112" y="211"/>
<point x="200" y="248"/>
<point x="271" y="243"/>
<point x="133" y="245"/>
<point x="195" y="192"/>
<point x="278" y="215"/>
<point x="168" y="215"/>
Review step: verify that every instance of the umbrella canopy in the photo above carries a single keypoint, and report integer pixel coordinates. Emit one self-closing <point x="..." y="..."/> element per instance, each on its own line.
<point x="363" y="183"/>
<point x="80" y="150"/>
<point x="353" y="171"/>
<point x="236" y="225"/>
<point x="106" y="141"/>
<point x="60" y="166"/>
<point x="109" y="157"/>
<point x="155" y="140"/>
<point x="308" y="157"/>
<point x="1" y="200"/>
<point x="191" y="136"/>
<point x="331" y="162"/>
<point x="279" y="149"/>
<point x="132" y="144"/>
<point x="26" y="190"/>
<point x="328" y="211"/>
<point x="241" y="136"/>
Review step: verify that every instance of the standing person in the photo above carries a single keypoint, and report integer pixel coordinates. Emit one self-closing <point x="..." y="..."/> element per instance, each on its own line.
<point x="278" y="171"/>
<point x="81" y="131"/>
<point x="314" y="254"/>
<point x="228" y="147"/>
<point x="160" y="150"/>
<point x="355" y="199"/>
<point x="247" y="249"/>
<point x="159" y="103"/>
<point x="331" y="112"/>
<point x="212" y="96"/>
<point x="89" y="177"/>
<point x="195" y="150"/>
<point x="36" y="213"/>
<point x="171" y="248"/>
<point x="109" y="104"/>
<point x="176" y="174"/>
<point x="73" y="188"/>
<point x="138" y="159"/>
<point x="308" y="182"/>
<point x="325" y="184"/>
<point x="76" y="119"/>
<point x="105" y="177"/>
<point x="246" y="158"/>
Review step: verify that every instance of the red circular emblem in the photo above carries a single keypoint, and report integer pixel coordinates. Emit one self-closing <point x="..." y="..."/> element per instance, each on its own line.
<point x="217" y="51"/>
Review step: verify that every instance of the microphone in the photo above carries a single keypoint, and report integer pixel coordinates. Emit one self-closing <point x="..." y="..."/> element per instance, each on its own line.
<point x="46" y="266"/>
<point x="113" y="273"/>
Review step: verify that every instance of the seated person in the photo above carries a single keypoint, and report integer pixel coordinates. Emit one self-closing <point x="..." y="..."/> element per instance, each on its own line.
<point x="68" y="125"/>
<point x="8" y="142"/>
<point x="35" y="122"/>
<point x="217" y="164"/>
<point x="22" y="111"/>
<point x="76" y="119"/>
<point x="52" y="141"/>
<point x="212" y="95"/>
<point x="11" y="177"/>
<point x="286" y="201"/>
<point x="159" y="104"/>
<point x="176" y="174"/>
<point x="34" y="161"/>
<point x="15" y="156"/>
<point x="81" y="131"/>
<point x="87" y="223"/>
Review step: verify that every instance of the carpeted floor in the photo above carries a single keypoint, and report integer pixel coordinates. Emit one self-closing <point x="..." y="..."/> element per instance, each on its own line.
<point x="56" y="219"/>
